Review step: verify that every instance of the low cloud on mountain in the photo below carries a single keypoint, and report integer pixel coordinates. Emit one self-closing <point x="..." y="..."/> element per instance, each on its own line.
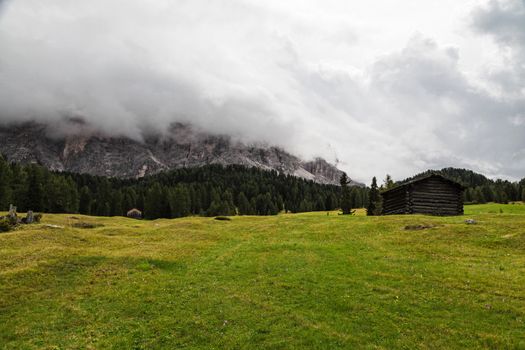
<point x="322" y="78"/>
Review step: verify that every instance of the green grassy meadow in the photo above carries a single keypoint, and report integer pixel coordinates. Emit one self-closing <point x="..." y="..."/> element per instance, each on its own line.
<point x="301" y="281"/>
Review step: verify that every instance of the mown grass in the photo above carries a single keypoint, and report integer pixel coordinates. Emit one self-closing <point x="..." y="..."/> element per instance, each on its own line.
<point x="306" y="281"/>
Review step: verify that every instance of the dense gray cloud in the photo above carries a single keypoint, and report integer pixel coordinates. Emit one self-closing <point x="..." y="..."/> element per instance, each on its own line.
<point x="504" y="21"/>
<point x="262" y="72"/>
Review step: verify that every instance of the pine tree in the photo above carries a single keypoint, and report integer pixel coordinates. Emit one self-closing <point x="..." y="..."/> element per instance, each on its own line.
<point x="243" y="204"/>
<point x="346" y="200"/>
<point x="374" y="206"/>
<point x="129" y="200"/>
<point x="72" y="196"/>
<point x="179" y="201"/>
<point x="357" y="199"/>
<point x="35" y="192"/>
<point x="116" y="203"/>
<point x="155" y="203"/>
<point x="85" y="201"/>
<point x="478" y="196"/>
<point x="389" y="183"/>
<point x="19" y="179"/>
<point x="5" y="182"/>
<point x="523" y="196"/>
<point x="305" y="206"/>
<point x="228" y="208"/>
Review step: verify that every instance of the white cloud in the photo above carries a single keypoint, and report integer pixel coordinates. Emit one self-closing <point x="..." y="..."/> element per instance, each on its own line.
<point x="383" y="87"/>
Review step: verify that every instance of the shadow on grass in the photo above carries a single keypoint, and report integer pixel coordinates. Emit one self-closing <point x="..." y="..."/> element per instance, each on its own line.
<point x="68" y="273"/>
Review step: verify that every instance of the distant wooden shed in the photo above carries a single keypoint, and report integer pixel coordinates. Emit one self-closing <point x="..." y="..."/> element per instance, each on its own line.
<point x="134" y="214"/>
<point x="433" y="194"/>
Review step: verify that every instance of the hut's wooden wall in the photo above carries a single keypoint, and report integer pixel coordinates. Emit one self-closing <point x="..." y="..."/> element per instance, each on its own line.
<point x="396" y="201"/>
<point x="434" y="195"/>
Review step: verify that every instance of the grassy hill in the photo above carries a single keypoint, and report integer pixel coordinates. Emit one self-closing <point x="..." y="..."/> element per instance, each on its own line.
<point x="285" y="282"/>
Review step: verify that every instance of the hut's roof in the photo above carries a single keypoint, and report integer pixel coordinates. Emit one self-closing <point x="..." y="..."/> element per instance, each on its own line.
<point x="424" y="178"/>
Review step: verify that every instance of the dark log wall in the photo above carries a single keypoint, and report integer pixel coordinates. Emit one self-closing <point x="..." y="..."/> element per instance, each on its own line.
<point x="434" y="196"/>
<point x="396" y="201"/>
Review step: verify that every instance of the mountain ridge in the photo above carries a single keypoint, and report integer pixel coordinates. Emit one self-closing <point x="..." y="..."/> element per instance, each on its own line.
<point x="79" y="149"/>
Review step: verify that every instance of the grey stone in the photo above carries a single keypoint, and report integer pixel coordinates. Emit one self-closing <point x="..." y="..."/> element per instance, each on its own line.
<point x="29" y="217"/>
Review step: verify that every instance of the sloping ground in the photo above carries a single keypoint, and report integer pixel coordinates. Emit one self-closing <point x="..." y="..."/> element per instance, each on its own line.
<point x="287" y="282"/>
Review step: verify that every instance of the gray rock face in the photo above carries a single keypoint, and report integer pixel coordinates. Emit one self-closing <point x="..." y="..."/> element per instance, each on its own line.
<point x="181" y="146"/>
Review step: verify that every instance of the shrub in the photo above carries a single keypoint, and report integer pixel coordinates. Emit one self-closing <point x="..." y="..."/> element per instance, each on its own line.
<point x="5" y="225"/>
<point x="11" y="220"/>
<point x="37" y="217"/>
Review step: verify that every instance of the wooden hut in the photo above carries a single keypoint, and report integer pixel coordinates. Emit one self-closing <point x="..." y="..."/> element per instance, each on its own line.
<point x="134" y="214"/>
<point x="433" y="194"/>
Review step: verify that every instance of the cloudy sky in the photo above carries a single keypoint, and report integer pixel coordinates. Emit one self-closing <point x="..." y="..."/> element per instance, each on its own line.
<point x="381" y="86"/>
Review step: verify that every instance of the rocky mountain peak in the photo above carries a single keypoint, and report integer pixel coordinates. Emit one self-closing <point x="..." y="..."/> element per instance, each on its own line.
<point x="75" y="147"/>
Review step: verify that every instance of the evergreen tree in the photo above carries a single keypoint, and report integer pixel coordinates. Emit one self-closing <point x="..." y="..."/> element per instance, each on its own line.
<point x="388" y="183"/>
<point x="357" y="198"/>
<point x="35" y="192"/>
<point x="346" y="200"/>
<point x="523" y="196"/>
<point x="179" y="201"/>
<point x="85" y="201"/>
<point x="478" y="196"/>
<point x="271" y="208"/>
<point x="106" y="209"/>
<point x="18" y="185"/>
<point x="129" y="200"/>
<point x="488" y="194"/>
<point x="155" y="203"/>
<point x="228" y="208"/>
<point x="374" y="206"/>
<point x="116" y="203"/>
<point x="244" y="205"/>
<point x="5" y="184"/>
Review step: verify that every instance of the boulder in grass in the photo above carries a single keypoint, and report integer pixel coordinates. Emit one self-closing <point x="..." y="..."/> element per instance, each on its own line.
<point x="12" y="217"/>
<point x="30" y="218"/>
<point x="470" y="222"/>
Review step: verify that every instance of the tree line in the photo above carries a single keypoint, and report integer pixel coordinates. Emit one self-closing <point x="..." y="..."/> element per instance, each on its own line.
<point x="213" y="190"/>
<point x="207" y="191"/>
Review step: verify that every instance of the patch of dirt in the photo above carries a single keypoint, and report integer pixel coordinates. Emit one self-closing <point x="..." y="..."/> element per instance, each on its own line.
<point x="419" y="227"/>
<point x="86" y="225"/>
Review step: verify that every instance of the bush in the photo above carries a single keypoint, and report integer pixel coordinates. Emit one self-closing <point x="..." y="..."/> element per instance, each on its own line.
<point x="37" y="217"/>
<point x="5" y="225"/>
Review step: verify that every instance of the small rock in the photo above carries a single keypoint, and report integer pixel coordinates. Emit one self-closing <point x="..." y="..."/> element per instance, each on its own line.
<point x="53" y="226"/>
<point x="29" y="217"/>
<point x="470" y="222"/>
